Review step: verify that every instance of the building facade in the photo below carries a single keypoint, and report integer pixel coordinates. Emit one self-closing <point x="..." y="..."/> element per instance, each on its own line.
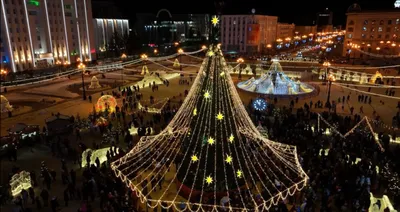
<point x="38" y="34"/>
<point x="165" y="28"/>
<point x="305" y="30"/>
<point x="376" y="32"/>
<point x="247" y="33"/>
<point x="284" y="30"/>
<point x="106" y="31"/>
<point x="324" y="20"/>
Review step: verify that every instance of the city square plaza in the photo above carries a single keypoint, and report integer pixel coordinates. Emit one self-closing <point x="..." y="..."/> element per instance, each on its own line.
<point x="41" y="101"/>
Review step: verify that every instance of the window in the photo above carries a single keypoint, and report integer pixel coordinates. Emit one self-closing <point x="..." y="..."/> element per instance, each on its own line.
<point x="366" y="22"/>
<point x="363" y="36"/>
<point x="389" y="22"/>
<point x="387" y="36"/>
<point x="371" y="36"/>
<point x="381" y="22"/>
<point x="388" y="29"/>
<point x="372" y="29"/>
<point x="68" y="6"/>
<point x="373" y="22"/>
<point x="379" y="36"/>
<point x="32" y="12"/>
<point x="398" y="21"/>
<point x="364" y="28"/>
<point x="350" y="36"/>
<point x="351" y="22"/>
<point x="350" y="29"/>
<point x="396" y="29"/>
<point x="17" y="30"/>
<point x="379" y="29"/>
<point x="38" y="38"/>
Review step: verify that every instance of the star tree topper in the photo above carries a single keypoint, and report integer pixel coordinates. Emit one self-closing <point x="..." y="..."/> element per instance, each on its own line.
<point x="215" y="21"/>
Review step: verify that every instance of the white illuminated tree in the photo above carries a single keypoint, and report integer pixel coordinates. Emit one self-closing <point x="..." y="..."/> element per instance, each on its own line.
<point x="211" y="150"/>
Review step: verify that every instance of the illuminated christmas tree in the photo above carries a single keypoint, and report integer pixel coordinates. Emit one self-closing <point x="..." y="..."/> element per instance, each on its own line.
<point x="211" y="156"/>
<point x="176" y="64"/>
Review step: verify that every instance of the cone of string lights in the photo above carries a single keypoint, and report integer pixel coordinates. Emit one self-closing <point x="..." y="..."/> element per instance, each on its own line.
<point x="211" y="157"/>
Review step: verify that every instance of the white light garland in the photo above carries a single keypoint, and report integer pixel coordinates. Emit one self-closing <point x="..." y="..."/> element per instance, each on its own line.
<point x="210" y="143"/>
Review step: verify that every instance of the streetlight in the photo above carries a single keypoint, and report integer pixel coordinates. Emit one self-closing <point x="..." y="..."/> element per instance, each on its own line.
<point x="144" y="58"/>
<point x="123" y="57"/>
<point x="82" y="67"/>
<point x="331" y="78"/>
<point x="180" y="52"/>
<point x="204" y="47"/>
<point x="326" y="64"/>
<point x="240" y="60"/>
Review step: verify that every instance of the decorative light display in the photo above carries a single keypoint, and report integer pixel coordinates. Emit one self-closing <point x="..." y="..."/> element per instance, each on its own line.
<point x="259" y="104"/>
<point x="5" y="104"/>
<point x="176" y="64"/>
<point x="94" y="83"/>
<point x="211" y="149"/>
<point x="275" y="82"/>
<point x="145" y="70"/>
<point x="215" y="21"/>
<point x="20" y="181"/>
<point x="106" y="102"/>
<point x="101" y="154"/>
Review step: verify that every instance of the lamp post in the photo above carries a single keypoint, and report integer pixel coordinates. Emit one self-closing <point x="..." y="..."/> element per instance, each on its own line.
<point x="240" y="61"/>
<point x="82" y="67"/>
<point x="331" y="78"/>
<point x="123" y="57"/>
<point x="326" y="64"/>
<point x="180" y="52"/>
<point x="144" y="58"/>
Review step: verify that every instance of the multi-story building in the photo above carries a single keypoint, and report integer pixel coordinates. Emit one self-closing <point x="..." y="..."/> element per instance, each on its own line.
<point x="36" y="34"/>
<point x="324" y="20"/>
<point x="166" y="28"/>
<point x="284" y="30"/>
<point x="305" y="30"/>
<point x="376" y="32"/>
<point x="247" y="33"/>
<point x="106" y="31"/>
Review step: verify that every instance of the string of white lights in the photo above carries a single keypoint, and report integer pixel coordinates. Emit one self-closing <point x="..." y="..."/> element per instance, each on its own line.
<point x="368" y="85"/>
<point x="377" y="55"/>
<point x="211" y="130"/>
<point x="364" y="67"/>
<point x="365" y="119"/>
<point x="366" y="92"/>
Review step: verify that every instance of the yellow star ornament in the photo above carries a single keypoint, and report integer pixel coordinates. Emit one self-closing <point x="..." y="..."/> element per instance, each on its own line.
<point x="209" y="180"/>
<point x="220" y="116"/>
<point x="239" y="174"/>
<point x="194" y="158"/>
<point x="195" y="112"/>
<point x="207" y="95"/>
<point x="228" y="159"/>
<point x="222" y="74"/>
<point x="211" y="141"/>
<point x="210" y="53"/>
<point x="215" y="20"/>
<point x="231" y="138"/>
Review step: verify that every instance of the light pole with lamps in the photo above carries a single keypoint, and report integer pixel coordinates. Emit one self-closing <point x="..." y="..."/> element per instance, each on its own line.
<point x="82" y="67"/>
<point x="123" y="57"/>
<point x="180" y="52"/>
<point x="144" y="58"/>
<point x="331" y="78"/>
<point x="326" y="64"/>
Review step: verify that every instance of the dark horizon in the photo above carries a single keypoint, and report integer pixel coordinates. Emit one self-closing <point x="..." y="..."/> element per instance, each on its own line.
<point x="297" y="13"/>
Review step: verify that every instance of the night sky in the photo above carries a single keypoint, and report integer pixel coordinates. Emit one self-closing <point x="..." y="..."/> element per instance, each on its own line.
<point x="289" y="11"/>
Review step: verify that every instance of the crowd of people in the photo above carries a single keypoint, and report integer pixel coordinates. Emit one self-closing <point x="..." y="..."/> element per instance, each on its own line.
<point x="338" y="180"/>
